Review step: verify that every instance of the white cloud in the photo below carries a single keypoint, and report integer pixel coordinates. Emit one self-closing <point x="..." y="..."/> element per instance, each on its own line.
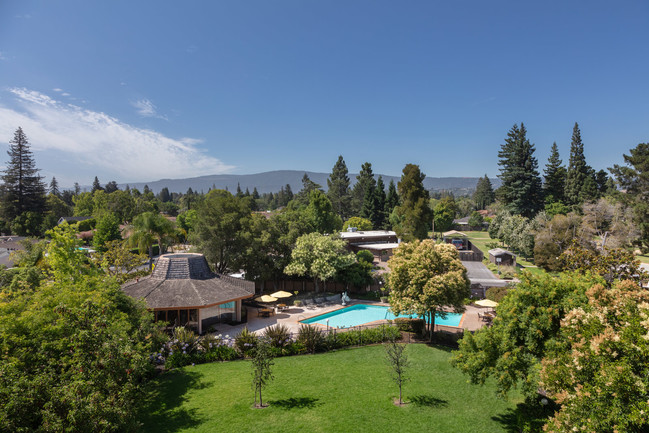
<point x="56" y="89"/>
<point x="146" y="108"/>
<point x="96" y="141"/>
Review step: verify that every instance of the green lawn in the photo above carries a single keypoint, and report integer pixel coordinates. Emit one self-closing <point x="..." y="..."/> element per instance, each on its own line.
<point x="481" y="239"/>
<point x="348" y="390"/>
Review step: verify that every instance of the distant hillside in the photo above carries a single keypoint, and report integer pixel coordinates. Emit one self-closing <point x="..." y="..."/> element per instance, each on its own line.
<point x="272" y="181"/>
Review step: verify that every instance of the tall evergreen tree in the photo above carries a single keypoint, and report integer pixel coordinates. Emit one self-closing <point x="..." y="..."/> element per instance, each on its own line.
<point x="255" y="193"/>
<point x="577" y="169"/>
<point x="378" y="202"/>
<point x="484" y="193"/>
<point x="307" y="186"/>
<point x="288" y="192"/>
<point x="164" y="195"/>
<point x="413" y="217"/>
<point x="364" y="181"/>
<point x="555" y="177"/>
<point x="239" y="192"/>
<point x="521" y="188"/>
<point x="338" y="189"/>
<point x="77" y="188"/>
<point x="391" y="200"/>
<point x="96" y="186"/>
<point x="23" y="189"/>
<point x="54" y="187"/>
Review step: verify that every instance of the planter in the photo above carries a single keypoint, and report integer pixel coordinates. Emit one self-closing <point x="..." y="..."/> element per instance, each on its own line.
<point x="297" y="303"/>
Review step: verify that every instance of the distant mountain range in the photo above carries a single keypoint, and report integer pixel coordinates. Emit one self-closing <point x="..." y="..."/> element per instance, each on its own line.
<point x="272" y="181"/>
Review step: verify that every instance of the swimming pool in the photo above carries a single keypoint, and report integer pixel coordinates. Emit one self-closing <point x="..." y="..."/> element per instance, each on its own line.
<point x="360" y="314"/>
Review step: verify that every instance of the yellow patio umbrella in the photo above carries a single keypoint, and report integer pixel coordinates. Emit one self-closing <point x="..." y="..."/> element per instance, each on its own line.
<point x="266" y="299"/>
<point x="486" y="303"/>
<point x="281" y="294"/>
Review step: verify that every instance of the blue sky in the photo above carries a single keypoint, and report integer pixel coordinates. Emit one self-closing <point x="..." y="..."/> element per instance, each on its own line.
<point x="138" y="91"/>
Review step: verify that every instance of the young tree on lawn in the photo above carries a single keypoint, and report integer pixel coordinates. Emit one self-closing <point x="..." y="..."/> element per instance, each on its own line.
<point x="398" y="360"/>
<point x="262" y="361"/>
<point x="425" y="279"/>
<point x="319" y="257"/>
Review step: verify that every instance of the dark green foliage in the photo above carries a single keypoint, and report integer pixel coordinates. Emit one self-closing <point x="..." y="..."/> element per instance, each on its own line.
<point x="577" y="172"/>
<point x="85" y="225"/>
<point x="337" y="339"/>
<point x="444" y="214"/>
<point x="364" y="182"/>
<point x="521" y="184"/>
<point x="164" y="195"/>
<point x="496" y="293"/>
<point x="476" y="220"/>
<point x="307" y="186"/>
<point x="365" y="256"/>
<point x="378" y="215"/>
<point x="391" y="200"/>
<point x="96" y="186"/>
<point x="413" y="217"/>
<point x="28" y="223"/>
<point x="358" y="274"/>
<point x="321" y="213"/>
<point x="406" y="324"/>
<point x="22" y="188"/>
<point x="555" y="178"/>
<point x="111" y="187"/>
<point x="54" y="187"/>
<point x="338" y="189"/>
<point x="634" y="178"/>
<point x="484" y="193"/>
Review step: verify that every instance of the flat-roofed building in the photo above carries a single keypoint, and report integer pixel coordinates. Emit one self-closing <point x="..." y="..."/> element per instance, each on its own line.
<point x="379" y="242"/>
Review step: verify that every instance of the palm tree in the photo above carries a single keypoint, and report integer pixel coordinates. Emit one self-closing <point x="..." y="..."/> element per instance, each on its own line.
<point x="147" y="228"/>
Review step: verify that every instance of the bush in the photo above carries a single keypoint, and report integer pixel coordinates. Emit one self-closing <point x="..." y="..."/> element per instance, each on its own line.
<point x="86" y="225"/>
<point x="311" y="338"/>
<point x="406" y="324"/>
<point x="245" y="342"/>
<point x="278" y="336"/>
<point x="359" y="337"/>
<point x="496" y="293"/>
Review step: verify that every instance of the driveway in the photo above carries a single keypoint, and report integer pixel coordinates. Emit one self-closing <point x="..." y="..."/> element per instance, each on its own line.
<point x="478" y="273"/>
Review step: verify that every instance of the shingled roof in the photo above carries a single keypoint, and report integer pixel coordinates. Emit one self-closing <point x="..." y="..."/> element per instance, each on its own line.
<point x="185" y="281"/>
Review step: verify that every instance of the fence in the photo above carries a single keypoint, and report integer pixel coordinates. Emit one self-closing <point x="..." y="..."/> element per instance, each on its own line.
<point x="309" y="286"/>
<point x="475" y="255"/>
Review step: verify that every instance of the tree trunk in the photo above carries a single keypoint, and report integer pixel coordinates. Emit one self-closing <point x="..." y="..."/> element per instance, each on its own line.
<point x="432" y="325"/>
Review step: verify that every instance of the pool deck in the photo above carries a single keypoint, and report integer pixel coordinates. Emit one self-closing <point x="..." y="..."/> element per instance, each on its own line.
<point x="291" y="318"/>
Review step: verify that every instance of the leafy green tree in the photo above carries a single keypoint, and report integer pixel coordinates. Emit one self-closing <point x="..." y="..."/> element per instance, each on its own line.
<point x="75" y="350"/>
<point x="484" y="193"/>
<point x="412" y="218"/>
<point x="599" y="372"/>
<point x="22" y="188"/>
<point x="321" y="213"/>
<point x="338" y="189"/>
<point x="476" y="219"/>
<point x="111" y="187"/>
<point x="577" y="172"/>
<point x="398" y="360"/>
<point x="634" y="178"/>
<point x="118" y="259"/>
<point x="361" y="224"/>
<point x="107" y="230"/>
<point x="148" y="228"/>
<point x="221" y="222"/>
<point x="122" y="204"/>
<point x="555" y="178"/>
<point x="426" y="278"/>
<point x="56" y="208"/>
<point x="521" y="189"/>
<point x="364" y="182"/>
<point x="318" y="256"/>
<point x="444" y="214"/>
<point x="527" y="323"/>
<point x="262" y="362"/>
<point x="84" y="205"/>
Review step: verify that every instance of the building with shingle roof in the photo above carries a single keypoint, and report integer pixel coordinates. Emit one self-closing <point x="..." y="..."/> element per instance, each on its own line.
<point x="183" y="291"/>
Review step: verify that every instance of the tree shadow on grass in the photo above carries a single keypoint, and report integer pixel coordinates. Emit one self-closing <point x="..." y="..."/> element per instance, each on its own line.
<point x="296" y="403"/>
<point x="427" y="400"/>
<point x="526" y="415"/>
<point x="161" y="410"/>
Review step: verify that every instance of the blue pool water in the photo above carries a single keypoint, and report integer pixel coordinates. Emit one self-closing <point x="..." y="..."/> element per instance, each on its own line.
<point x="360" y="314"/>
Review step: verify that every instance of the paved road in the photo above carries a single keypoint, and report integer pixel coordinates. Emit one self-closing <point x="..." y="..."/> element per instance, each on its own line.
<point x="478" y="273"/>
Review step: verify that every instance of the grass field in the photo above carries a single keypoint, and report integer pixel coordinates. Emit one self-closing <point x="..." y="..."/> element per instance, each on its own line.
<point x="348" y="390"/>
<point x="482" y="238"/>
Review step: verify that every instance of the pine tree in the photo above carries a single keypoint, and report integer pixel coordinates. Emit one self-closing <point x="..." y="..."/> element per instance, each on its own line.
<point x="239" y="192"/>
<point x="521" y="188"/>
<point x="380" y="218"/>
<point x="577" y="169"/>
<point x="555" y="178"/>
<point x="364" y="181"/>
<point x="111" y="187"/>
<point x="96" y="186"/>
<point x="77" y="188"/>
<point x="255" y="193"/>
<point x="338" y="189"/>
<point x="484" y="193"/>
<point x="54" y="187"/>
<point x="289" y="192"/>
<point x="413" y="217"/>
<point x="23" y="189"/>
<point x="392" y="199"/>
<point x="164" y="195"/>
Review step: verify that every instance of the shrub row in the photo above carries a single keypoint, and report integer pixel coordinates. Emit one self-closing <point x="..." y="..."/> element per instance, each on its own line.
<point x="185" y="348"/>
